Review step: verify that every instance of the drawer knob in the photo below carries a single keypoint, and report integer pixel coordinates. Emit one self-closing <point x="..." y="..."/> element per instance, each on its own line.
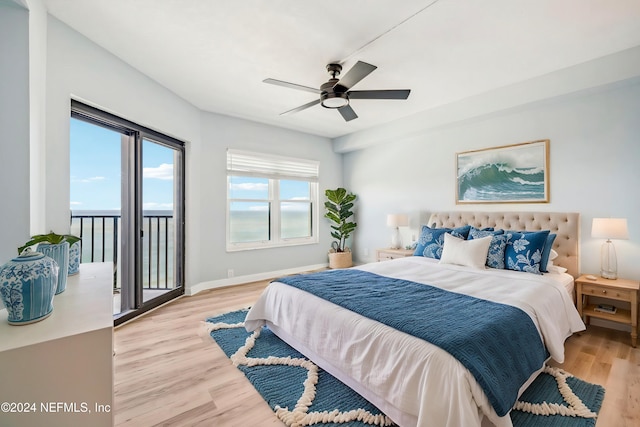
<point x="604" y="292"/>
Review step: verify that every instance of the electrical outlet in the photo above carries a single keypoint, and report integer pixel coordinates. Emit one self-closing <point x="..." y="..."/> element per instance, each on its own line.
<point x="230" y="273"/>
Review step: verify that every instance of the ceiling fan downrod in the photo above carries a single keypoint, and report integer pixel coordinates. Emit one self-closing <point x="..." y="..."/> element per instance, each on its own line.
<point x="330" y="97"/>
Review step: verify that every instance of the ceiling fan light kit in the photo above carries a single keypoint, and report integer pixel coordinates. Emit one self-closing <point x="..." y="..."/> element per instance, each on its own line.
<point x="334" y="100"/>
<point x="335" y="93"/>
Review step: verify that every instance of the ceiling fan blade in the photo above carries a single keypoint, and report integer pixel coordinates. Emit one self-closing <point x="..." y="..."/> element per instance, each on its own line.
<point x="355" y="74"/>
<point x="302" y="107"/>
<point x="291" y="85"/>
<point x="347" y="113"/>
<point x="379" y="94"/>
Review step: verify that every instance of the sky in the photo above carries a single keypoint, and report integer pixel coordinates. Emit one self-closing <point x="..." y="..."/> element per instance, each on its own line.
<point x="258" y="188"/>
<point x="95" y="170"/>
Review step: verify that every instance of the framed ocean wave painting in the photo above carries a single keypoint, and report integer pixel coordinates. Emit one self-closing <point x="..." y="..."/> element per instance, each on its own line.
<point x="517" y="173"/>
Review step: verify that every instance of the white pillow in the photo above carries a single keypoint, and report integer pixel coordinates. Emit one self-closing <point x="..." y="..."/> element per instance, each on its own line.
<point x="555" y="268"/>
<point x="472" y="253"/>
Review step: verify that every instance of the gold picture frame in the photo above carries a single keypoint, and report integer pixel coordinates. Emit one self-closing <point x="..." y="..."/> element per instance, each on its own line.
<point x="517" y="173"/>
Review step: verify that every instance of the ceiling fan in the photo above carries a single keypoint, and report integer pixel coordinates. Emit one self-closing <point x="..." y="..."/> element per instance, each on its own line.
<point x="335" y="93"/>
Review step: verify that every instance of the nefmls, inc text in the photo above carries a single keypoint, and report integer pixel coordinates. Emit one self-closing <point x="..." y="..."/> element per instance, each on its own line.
<point x="80" y="407"/>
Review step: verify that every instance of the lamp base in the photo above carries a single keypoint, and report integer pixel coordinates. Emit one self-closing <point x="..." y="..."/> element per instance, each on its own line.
<point x="396" y="239"/>
<point x="611" y="275"/>
<point x="608" y="261"/>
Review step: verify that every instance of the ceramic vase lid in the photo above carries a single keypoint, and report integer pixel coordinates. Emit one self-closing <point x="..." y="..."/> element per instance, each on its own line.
<point x="27" y="256"/>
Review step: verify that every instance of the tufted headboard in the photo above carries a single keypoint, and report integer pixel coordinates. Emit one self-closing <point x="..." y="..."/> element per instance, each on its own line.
<point x="565" y="225"/>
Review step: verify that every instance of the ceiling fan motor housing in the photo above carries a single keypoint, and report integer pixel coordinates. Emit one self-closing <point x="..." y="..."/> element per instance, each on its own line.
<point x="331" y="96"/>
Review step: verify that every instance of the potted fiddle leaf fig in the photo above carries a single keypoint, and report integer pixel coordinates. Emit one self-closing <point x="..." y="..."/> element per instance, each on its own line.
<point x="338" y="207"/>
<point x="57" y="247"/>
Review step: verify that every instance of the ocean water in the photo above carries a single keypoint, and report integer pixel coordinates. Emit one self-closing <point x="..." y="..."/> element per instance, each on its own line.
<point x="253" y="226"/>
<point x="499" y="181"/>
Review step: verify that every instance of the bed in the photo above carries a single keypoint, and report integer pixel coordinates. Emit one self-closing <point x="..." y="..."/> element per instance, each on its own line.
<point x="411" y="380"/>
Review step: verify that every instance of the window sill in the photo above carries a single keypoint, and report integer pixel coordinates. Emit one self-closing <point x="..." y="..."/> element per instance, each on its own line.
<point x="241" y="248"/>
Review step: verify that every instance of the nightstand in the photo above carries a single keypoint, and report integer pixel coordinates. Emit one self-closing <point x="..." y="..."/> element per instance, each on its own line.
<point x="385" y="254"/>
<point x="619" y="290"/>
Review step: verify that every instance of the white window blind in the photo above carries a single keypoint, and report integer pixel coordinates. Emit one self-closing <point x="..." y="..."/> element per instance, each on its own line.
<point x="248" y="163"/>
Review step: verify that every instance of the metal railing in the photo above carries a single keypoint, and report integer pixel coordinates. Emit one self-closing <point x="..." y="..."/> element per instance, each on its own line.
<point x="100" y="234"/>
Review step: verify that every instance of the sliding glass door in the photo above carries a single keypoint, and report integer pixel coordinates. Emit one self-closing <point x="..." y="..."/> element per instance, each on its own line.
<point x="144" y="234"/>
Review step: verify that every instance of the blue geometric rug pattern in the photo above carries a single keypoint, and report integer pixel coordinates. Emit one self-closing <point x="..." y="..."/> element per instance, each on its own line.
<point x="300" y="393"/>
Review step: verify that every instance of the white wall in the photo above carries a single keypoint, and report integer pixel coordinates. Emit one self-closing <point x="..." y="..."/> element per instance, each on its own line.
<point x="594" y="155"/>
<point x="77" y="68"/>
<point x="14" y="126"/>
<point x="37" y="111"/>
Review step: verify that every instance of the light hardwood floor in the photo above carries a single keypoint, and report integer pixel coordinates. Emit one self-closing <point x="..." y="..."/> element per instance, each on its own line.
<point x="169" y="373"/>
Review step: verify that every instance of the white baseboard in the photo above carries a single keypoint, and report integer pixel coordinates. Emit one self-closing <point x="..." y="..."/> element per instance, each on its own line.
<point x="240" y="280"/>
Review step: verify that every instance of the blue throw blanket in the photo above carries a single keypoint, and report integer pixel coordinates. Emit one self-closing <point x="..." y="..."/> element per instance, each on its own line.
<point x="498" y="343"/>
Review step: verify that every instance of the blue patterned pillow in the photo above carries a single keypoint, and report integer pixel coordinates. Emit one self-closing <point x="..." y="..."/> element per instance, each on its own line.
<point x="524" y="251"/>
<point x="477" y="233"/>
<point x="431" y="240"/>
<point x="495" y="256"/>
<point x="548" y="245"/>
<point x="546" y="252"/>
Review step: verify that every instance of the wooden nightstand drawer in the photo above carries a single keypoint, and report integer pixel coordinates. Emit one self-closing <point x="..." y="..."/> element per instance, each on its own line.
<point x="597" y="290"/>
<point x="387" y="254"/>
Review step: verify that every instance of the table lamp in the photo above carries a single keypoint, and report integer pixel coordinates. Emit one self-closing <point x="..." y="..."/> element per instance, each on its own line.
<point x="609" y="228"/>
<point x="397" y="221"/>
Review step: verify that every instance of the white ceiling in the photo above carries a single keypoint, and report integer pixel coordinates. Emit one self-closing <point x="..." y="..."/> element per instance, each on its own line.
<point x="215" y="54"/>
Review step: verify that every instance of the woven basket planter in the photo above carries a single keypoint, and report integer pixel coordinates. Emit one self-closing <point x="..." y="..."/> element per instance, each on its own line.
<point x="340" y="260"/>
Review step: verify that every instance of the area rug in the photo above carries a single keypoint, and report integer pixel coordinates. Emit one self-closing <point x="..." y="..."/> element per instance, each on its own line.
<point x="300" y="393"/>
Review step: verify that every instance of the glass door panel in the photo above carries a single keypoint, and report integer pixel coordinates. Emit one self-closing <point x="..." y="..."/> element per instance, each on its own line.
<point x="95" y="195"/>
<point x="159" y="238"/>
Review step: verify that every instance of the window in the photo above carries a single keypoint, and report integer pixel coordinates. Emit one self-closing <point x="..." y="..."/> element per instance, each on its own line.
<point x="271" y="200"/>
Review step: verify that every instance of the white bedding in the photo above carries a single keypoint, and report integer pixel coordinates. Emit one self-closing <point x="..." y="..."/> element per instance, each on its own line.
<point x="412" y="381"/>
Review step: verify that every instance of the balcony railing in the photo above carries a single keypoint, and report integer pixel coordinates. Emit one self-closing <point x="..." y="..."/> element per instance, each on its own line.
<point x="100" y="232"/>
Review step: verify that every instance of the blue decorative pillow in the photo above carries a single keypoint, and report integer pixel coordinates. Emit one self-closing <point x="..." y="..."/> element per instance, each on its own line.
<point x="431" y="240"/>
<point x="476" y="229"/>
<point x="495" y="256"/>
<point x="497" y="248"/>
<point x="524" y="251"/>
<point x="477" y="233"/>
<point x="548" y="245"/>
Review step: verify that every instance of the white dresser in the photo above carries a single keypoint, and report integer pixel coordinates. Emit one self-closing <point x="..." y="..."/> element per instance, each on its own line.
<point x="59" y="371"/>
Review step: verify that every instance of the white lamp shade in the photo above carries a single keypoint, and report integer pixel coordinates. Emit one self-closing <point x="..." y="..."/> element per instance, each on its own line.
<point x="397" y="220"/>
<point x="609" y="228"/>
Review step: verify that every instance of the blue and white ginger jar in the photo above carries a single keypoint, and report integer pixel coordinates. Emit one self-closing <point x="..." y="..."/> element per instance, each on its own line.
<point x="74" y="258"/>
<point x="60" y="253"/>
<point x="28" y="284"/>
